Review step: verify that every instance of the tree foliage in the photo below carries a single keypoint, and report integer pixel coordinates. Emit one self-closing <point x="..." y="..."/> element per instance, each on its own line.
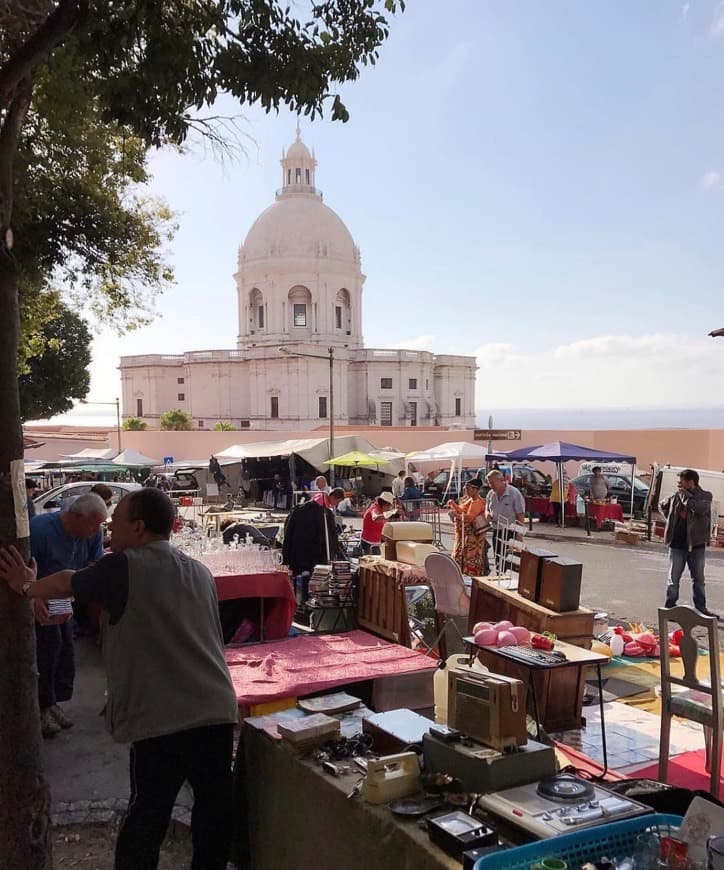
<point x="53" y="378"/>
<point x="135" y="424"/>
<point x="176" y="420"/>
<point x="224" y="426"/>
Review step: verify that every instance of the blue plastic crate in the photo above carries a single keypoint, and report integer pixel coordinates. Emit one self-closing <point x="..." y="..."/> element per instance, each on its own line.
<point x="615" y="839"/>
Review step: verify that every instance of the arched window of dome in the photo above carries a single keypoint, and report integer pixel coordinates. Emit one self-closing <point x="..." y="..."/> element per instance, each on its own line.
<point x="343" y="311"/>
<point x="300" y="308"/>
<point x="257" y="313"/>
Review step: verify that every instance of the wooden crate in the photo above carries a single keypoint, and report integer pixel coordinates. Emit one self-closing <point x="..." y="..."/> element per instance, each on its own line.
<point x="382" y="607"/>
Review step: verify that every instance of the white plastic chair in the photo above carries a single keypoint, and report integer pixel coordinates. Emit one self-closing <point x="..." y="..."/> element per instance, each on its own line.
<point x="452" y="597"/>
<point x="698" y="701"/>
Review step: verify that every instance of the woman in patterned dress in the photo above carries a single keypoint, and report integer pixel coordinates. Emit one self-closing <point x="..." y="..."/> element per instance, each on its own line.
<point x="470" y="546"/>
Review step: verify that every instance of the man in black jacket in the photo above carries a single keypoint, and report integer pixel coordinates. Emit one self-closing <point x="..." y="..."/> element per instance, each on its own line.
<point x="310" y="534"/>
<point x="688" y="529"/>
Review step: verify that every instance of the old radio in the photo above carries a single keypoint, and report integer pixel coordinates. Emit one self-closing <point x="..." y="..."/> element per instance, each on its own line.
<point x="490" y="708"/>
<point x="560" y="585"/>
<point x="531" y="569"/>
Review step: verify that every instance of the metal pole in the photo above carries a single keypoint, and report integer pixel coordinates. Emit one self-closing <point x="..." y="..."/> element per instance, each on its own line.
<point x="331" y="413"/>
<point x="118" y="422"/>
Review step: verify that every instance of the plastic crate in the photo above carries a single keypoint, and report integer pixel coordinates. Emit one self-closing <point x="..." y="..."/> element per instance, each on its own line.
<point x="616" y="839"/>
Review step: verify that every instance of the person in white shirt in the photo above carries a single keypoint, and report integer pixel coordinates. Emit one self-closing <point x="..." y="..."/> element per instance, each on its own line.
<point x="345" y="509"/>
<point x="398" y="485"/>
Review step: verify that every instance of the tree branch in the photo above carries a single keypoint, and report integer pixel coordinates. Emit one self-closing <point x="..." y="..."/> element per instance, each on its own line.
<point x="9" y="137"/>
<point x="51" y="33"/>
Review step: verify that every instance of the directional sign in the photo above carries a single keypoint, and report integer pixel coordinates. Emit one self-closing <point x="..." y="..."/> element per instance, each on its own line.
<point x="497" y="434"/>
<point x="168" y="460"/>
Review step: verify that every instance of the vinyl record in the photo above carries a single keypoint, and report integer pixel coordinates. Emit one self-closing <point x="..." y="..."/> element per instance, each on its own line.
<point x="565" y="787"/>
<point x="413" y="806"/>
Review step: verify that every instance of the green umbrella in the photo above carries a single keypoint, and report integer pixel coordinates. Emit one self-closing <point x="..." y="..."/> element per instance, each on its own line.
<point x="356" y="458"/>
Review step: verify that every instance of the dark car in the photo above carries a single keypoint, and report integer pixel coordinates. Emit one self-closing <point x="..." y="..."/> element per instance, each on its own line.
<point x="618" y="486"/>
<point x="524" y="476"/>
<point x="178" y="481"/>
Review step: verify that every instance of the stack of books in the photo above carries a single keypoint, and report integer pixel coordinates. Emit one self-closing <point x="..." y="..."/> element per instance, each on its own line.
<point x="340" y="583"/>
<point x="309" y="731"/>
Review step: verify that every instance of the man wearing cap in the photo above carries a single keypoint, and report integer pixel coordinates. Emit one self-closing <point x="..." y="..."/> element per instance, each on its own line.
<point x="374" y="520"/>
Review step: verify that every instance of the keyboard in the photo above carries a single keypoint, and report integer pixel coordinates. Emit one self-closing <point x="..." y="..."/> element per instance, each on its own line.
<point x="530" y="656"/>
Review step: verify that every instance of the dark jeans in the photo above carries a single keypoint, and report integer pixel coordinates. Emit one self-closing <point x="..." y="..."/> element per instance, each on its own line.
<point x="678" y="560"/>
<point x="158" y="769"/>
<point x="370" y="549"/>
<point x="56" y="663"/>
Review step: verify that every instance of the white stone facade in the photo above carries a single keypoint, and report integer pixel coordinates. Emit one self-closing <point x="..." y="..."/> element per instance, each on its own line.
<point x="299" y="287"/>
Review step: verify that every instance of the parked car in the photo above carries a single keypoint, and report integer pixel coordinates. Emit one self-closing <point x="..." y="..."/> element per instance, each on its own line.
<point x="55" y="499"/>
<point x="618" y="486"/>
<point x="530" y="477"/>
<point x="176" y="481"/>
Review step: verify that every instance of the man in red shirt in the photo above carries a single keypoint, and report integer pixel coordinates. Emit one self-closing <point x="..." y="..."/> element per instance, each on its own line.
<point x="374" y="520"/>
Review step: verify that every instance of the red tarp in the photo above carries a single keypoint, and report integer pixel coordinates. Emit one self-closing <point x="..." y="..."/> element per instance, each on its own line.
<point x="274" y="587"/>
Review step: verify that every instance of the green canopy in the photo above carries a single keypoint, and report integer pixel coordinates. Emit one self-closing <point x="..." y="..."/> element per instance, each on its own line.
<point x="356" y="458"/>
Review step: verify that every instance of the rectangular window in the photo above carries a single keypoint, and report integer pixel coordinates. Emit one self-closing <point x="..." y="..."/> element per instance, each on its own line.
<point x="274" y="407"/>
<point x="427" y="384"/>
<point x="412" y="384"/>
<point x="323" y="407"/>
<point x="300" y="314"/>
<point x="385" y="413"/>
<point x="298" y="176"/>
<point x="458" y="407"/>
<point x="181" y="397"/>
<point x="139" y="407"/>
<point x="260" y="317"/>
<point x="338" y="316"/>
<point x="179" y="380"/>
<point x="413" y="413"/>
<point x="307" y="174"/>
<point x="289" y="176"/>
<point x="245" y="424"/>
<point x="201" y="424"/>
<point x="385" y="383"/>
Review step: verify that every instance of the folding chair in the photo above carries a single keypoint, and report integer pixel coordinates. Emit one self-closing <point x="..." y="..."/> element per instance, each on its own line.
<point x="452" y="597"/>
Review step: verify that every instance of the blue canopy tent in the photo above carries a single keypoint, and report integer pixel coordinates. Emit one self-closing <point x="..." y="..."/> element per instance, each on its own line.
<point x="560" y="452"/>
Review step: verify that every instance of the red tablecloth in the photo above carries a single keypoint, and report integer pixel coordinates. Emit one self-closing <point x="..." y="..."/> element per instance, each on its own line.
<point x="538" y="504"/>
<point x="600" y="512"/>
<point x="272" y="585"/>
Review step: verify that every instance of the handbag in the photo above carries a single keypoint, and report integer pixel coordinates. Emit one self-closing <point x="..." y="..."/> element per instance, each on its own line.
<point x="480" y="523"/>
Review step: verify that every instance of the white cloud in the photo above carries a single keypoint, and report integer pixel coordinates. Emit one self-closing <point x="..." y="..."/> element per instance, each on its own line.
<point x="602" y="371"/>
<point x="714" y="178"/>
<point x="419" y="342"/>
<point x="717" y="25"/>
<point x="685" y="11"/>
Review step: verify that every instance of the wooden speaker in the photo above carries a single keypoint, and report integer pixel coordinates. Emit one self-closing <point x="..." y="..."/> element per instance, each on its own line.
<point x="560" y="587"/>
<point x="531" y="568"/>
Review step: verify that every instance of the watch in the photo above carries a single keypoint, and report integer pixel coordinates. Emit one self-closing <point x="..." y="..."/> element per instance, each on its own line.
<point x="25" y="588"/>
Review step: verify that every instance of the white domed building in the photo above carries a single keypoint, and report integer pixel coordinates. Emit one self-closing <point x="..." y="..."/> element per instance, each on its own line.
<point x="299" y="288"/>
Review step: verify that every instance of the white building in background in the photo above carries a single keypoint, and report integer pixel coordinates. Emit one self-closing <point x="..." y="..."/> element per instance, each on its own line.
<point x="299" y="286"/>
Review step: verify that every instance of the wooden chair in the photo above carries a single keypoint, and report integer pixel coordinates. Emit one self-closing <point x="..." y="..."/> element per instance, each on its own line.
<point x="452" y="597"/>
<point x="701" y="700"/>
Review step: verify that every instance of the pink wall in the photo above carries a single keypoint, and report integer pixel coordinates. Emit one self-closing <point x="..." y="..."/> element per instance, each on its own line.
<point x="700" y="448"/>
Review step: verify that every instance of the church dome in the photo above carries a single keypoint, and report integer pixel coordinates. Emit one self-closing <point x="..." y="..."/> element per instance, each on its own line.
<point x="299" y="226"/>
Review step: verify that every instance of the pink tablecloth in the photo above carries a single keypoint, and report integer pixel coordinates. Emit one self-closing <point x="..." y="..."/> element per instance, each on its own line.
<point x="314" y="663"/>
<point x="600" y="512"/>
<point x="274" y="587"/>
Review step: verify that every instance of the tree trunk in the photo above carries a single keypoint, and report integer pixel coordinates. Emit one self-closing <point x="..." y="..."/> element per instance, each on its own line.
<point x="24" y="794"/>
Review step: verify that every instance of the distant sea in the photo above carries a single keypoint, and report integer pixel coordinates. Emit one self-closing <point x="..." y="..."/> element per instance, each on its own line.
<point x="603" y="418"/>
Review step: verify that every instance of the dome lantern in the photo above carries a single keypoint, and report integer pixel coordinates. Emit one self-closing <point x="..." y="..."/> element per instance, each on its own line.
<point x="298" y="166"/>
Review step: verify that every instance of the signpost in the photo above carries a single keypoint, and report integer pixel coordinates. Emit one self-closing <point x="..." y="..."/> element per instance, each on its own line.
<point x="497" y="434"/>
<point x="168" y="460"/>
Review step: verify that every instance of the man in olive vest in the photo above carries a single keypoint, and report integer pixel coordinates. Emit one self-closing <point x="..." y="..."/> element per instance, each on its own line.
<point x="169" y="691"/>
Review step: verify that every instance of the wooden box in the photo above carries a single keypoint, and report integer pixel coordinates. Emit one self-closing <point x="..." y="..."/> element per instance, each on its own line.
<point x="560" y="584"/>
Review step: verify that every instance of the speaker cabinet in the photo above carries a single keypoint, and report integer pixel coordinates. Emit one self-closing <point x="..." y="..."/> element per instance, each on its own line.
<point x="560" y="587"/>
<point x="531" y="568"/>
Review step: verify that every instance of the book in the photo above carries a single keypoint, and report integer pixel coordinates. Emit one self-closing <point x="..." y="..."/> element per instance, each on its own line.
<point x="309" y="730"/>
<point x="337" y="702"/>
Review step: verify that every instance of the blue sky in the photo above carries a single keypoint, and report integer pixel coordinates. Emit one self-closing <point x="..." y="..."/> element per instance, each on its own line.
<point x="539" y="182"/>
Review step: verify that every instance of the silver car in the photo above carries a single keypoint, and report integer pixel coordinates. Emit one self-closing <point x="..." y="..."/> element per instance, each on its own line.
<point x="54" y="499"/>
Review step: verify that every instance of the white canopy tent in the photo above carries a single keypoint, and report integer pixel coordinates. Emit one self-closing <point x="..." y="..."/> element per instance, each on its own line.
<point x="460" y="454"/>
<point x="133" y="459"/>
<point x="101" y="453"/>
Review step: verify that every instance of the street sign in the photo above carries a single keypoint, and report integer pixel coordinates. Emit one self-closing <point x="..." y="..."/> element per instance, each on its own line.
<point x="497" y="435"/>
<point x="168" y="460"/>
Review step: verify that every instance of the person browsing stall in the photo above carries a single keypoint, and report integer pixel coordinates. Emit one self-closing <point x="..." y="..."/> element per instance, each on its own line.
<point x="503" y="502"/>
<point x="469" y="545"/>
<point x="310" y="534"/>
<point x="377" y="514"/>
<point x="599" y="485"/>
<point x="68" y="539"/>
<point x="398" y="485"/>
<point x="320" y="491"/>
<point x="169" y="691"/>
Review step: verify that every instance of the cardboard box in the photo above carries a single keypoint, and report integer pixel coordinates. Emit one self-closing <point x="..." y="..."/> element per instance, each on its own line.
<point x="624" y="537"/>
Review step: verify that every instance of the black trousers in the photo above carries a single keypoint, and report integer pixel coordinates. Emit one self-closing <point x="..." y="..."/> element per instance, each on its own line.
<point x="56" y="663"/>
<point x="158" y="769"/>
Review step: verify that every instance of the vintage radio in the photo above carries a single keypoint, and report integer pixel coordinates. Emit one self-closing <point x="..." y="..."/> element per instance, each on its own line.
<point x="393" y="533"/>
<point x="531" y="569"/>
<point x="560" y="587"/>
<point x="490" y="708"/>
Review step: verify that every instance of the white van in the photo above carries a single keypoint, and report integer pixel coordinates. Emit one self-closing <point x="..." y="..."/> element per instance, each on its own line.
<point x="665" y="479"/>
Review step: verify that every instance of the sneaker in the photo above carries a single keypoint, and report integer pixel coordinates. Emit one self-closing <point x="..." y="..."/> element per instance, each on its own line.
<point x="59" y="716"/>
<point x="48" y="726"/>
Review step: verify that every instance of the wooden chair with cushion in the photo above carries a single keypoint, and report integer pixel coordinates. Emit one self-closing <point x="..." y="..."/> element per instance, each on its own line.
<point x="452" y="597"/>
<point x="697" y="700"/>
